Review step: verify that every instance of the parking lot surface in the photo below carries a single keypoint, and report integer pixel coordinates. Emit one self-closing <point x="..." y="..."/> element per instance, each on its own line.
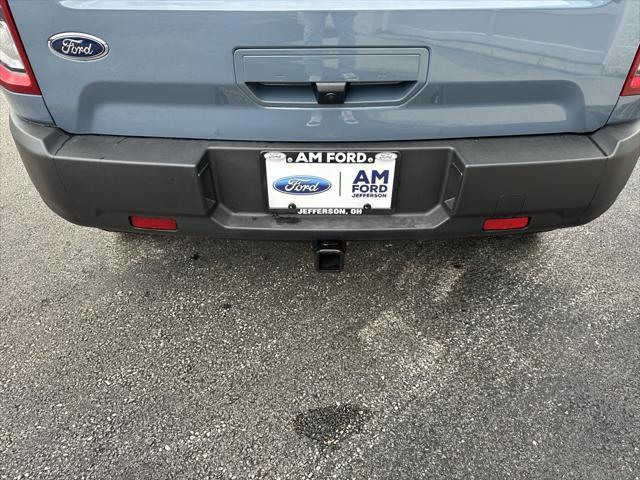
<point x="135" y="357"/>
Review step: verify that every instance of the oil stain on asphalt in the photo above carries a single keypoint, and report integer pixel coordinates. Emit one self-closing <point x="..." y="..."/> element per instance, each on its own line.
<point x="331" y="425"/>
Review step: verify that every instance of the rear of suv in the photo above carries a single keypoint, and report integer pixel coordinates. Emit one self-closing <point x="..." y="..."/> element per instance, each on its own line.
<point x="292" y="119"/>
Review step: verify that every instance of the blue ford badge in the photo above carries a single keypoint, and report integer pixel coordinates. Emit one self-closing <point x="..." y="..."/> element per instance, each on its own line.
<point x="78" y="46"/>
<point x="302" y="185"/>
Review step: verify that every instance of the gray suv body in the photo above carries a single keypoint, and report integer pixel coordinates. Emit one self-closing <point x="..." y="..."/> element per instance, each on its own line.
<point x="347" y="120"/>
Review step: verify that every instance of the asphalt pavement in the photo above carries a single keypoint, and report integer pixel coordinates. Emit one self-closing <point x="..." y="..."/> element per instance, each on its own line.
<point x="135" y="357"/>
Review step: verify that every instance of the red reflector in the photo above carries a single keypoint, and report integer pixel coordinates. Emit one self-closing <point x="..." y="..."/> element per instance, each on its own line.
<point x="632" y="85"/>
<point x="154" y="223"/>
<point x="506" y="223"/>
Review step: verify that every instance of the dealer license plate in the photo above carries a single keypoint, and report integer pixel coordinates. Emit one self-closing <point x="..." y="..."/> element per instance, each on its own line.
<point x="330" y="182"/>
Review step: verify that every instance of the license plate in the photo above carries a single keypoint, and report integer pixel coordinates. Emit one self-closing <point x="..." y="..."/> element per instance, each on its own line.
<point x="330" y="182"/>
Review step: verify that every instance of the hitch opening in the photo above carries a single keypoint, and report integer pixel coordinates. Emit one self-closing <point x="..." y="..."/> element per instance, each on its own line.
<point x="329" y="255"/>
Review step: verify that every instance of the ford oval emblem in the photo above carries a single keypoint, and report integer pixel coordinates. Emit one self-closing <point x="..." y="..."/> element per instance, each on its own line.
<point x="302" y="185"/>
<point x="78" y="46"/>
<point x="386" y="157"/>
<point x="275" y="156"/>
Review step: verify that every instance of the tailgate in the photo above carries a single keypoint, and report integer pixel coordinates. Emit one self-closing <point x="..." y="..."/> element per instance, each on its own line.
<point x="415" y="69"/>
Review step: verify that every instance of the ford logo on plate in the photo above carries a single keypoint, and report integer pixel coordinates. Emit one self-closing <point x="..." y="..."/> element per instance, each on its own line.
<point x="78" y="46"/>
<point x="302" y="185"/>
<point x="275" y="156"/>
<point x="386" y="156"/>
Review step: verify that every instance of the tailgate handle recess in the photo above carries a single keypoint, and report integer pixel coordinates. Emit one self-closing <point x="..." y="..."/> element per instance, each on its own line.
<point x="331" y="93"/>
<point x="331" y="76"/>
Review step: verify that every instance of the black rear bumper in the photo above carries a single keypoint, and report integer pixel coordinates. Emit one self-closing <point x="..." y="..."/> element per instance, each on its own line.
<point x="445" y="188"/>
